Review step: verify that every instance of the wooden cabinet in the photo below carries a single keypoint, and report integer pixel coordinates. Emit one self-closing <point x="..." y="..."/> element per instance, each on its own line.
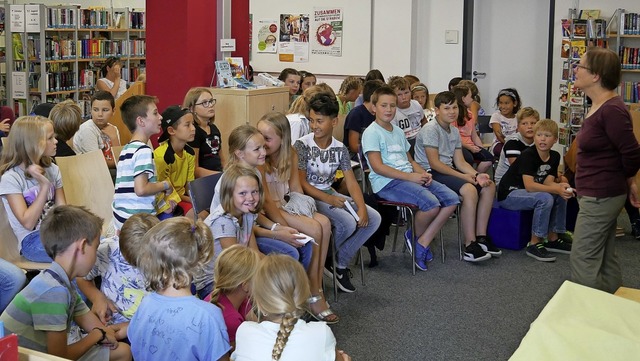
<point x="235" y="107"/>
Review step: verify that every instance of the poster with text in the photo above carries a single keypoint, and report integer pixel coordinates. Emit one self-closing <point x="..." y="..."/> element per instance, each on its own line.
<point x="326" y="31"/>
<point x="294" y="38"/>
<point x="267" y="36"/>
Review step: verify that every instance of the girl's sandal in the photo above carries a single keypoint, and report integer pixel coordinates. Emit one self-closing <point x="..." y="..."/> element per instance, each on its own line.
<point x="327" y="315"/>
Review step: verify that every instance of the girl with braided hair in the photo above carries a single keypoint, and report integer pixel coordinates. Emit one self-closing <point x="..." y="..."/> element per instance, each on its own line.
<point x="280" y="293"/>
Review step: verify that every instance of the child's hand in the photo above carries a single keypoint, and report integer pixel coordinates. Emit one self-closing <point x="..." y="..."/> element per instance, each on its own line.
<point x="110" y="340"/>
<point x="169" y="190"/>
<point x="288" y="235"/>
<point x="474" y="148"/>
<point x="37" y="173"/>
<point x="483" y="180"/>
<point x="564" y="190"/>
<point x="120" y="330"/>
<point x="5" y="126"/>
<point x="420" y="178"/>
<point x="364" y="217"/>
<point x="336" y="201"/>
<point x="104" y="309"/>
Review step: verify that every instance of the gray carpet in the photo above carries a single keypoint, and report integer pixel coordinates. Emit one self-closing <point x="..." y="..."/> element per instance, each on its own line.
<point x="455" y="310"/>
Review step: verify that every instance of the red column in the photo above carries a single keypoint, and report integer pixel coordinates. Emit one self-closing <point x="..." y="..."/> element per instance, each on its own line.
<point x="240" y="29"/>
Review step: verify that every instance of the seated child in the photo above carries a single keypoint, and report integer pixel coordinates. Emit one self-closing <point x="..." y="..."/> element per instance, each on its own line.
<point x="517" y="142"/>
<point x="420" y="93"/>
<point x="234" y="269"/>
<point x="530" y="184"/>
<point x="475" y="107"/>
<point x="98" y="133"/>
<point x="472" y="147"/>
<point x="409" y="115"/>
<point x="171" y="323"/>
<point x="359" y="118"/>
<point x="123" y="286"/>
<point x="291" y="78"/>
<point x="396" y="177"/>
<point x="307" y="80"/>
<point x="438" y="146"/>
<point x="207" y="142"/>
<point x="280" y="290"/>
<point x="504" y="121"/>
<point x="42" y="312"/>
<point x="298" y="113"/>
<point x="136" y="188"/>
<point x="66" y="117"/>
<point x="350" y="88"/>
<point x="12" y="279"/>
<point x="320" y="155"/>
<point x="174" y="159"/>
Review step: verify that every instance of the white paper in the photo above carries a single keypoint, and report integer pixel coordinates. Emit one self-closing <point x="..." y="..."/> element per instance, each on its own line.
<point x="352" y="211"/>
<point x="16" y="13"/>
<point x="32" y="16"/>
<point x="19" y="85"/>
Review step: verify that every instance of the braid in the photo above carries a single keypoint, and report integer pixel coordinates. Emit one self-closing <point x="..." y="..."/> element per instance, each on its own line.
<point x="288" y="322"/>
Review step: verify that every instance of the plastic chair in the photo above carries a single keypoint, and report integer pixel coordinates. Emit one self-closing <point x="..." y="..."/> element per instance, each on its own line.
<point x="201" y="191"/>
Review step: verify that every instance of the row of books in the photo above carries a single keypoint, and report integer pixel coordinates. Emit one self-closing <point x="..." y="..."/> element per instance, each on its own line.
<point x="101" y="48"/>
<point x="630" y="24"/>
<point x="131" y="74"/>
<point x="583" y="28"/>
<point x="95" y="18"/>
<point x="70" y="18"/>
<point x="136" y="19"/>
<point x="630" y="91"/>
<point x="19" y="105"/>
<point x="629" y="57"/>
<point x="62" y="18"/>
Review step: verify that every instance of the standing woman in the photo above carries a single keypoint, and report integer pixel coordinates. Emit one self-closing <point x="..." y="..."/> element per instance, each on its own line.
<point x="208" y="141"/>
<point x="608" y="160"/>
<point x="111" y="80"/>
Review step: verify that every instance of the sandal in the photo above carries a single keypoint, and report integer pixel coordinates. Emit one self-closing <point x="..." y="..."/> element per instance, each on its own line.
<point x="322" y="315"/>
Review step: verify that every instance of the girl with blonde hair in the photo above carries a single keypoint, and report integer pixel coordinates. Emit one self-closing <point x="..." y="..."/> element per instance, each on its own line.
<point x="280" y="293"/>
<point x="30" y="182"/>
<point x="208" y="140"/>
<point x="350" y="89"/>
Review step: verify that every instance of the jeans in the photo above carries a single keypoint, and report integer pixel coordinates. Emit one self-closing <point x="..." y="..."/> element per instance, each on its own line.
<point x="33" y="250"/>
<point x="425" y="198"/>
<point x="270" y="245"/>
<point x="11" y="281"/>
<point x="549" y="210"/>
<point x="348" y="237"/>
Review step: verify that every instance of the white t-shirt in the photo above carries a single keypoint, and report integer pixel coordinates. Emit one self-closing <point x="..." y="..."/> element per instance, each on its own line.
<point x="299" y="126"/>
<point x="321" y="164"/>
<point x="122" y="87"/>
<point x="508" y="125"/>
<point x="409" y="119"/>
<point x="311" y="341"/>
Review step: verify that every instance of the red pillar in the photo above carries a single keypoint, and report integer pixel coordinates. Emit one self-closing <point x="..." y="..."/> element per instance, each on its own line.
<point x="240" y="29"/>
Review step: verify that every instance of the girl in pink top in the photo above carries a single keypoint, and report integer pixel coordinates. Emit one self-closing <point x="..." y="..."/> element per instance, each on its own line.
<point x="474" y="152"/>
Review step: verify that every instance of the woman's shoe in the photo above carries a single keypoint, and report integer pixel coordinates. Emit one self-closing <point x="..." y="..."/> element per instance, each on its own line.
<point x="327" y="315"/>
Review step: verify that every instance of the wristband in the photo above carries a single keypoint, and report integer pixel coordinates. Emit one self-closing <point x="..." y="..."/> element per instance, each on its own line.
<point x="104" y="335"/>
<point x="273" y="228"/>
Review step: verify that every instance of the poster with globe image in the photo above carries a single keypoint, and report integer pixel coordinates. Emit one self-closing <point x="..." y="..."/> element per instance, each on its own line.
<point x="326" y="31"/>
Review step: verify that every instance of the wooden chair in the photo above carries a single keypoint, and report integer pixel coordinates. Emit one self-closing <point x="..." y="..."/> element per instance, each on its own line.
<point x="137" y="88"/>
<point x="201" y="191"/>
<point x="117" y="149"/>
<point x="87" y="182"/>
<point x="9" y="246"/>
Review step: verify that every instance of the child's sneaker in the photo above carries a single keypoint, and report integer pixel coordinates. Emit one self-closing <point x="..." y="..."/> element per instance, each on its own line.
<point x="539" y="252"/>
<point x="421" y="257"/>
<point x="558" y="246"/>
<point x="488" y="246"/>
<point x="474" y="253"/>
<point x="408" y="241"/>
<point x="428" y="255"/>
<point x="344" y="280"/>
<point x="566" y="237"/>
<point x="635" y="229"/>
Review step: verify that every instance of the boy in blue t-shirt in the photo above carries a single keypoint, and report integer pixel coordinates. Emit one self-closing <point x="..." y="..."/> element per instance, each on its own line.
<point x="439" y="147"/>
<point x="395" y="176"/>
<point x="530" y="184"/>
<point x="42" y="312"/>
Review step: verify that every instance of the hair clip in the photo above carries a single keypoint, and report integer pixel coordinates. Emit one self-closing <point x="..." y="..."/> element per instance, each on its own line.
<point x="508" y="93"/>
<point x="193" y="228"/>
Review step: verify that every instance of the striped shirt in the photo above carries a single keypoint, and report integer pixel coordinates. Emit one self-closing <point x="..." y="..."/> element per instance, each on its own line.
<point x="135" y="159"/>
<point x="47" y="303"/>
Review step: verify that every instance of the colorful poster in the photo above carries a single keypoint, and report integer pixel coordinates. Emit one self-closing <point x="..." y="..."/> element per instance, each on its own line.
<point x="267" y="36"/>
<point x="326" y="31"/>
<point x="294" y="38"/>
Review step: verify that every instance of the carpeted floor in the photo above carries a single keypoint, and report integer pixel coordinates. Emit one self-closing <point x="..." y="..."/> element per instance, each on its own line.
<point x="455" y="310"/>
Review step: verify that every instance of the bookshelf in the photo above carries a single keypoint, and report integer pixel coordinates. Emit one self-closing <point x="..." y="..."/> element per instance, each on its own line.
<point x="58" y="51"/>
<point x="625" y="39"/>
<point x="3" y="59"/>
<point x="577" y="35"/>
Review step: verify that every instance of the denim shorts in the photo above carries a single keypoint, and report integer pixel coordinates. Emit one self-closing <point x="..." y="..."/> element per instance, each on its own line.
<point x="452" y="182"/>
<point x="425" y="198"/>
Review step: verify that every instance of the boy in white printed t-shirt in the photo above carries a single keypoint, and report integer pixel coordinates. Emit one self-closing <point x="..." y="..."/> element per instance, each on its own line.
<point x="409" y="114"/>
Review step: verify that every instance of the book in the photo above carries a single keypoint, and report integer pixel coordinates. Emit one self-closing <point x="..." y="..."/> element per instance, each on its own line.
<point x="243" y="83"/>
<point x="224" y="79"/>
<point x="578" y="48"/>
<point x="353" y="212"/>
<point x="237" y="66"/>
<point x="589" y="14"/>
<point x="566" y="28"/>
<point x="580" y="28"/>
<point x="566" y="48"/>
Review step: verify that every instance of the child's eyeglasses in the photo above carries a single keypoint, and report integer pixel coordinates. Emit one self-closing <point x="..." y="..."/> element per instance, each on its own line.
<point x="207" y="103"/>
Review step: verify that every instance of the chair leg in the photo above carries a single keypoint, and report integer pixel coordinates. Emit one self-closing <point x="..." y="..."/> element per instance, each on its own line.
<point x="361" y="265"/>
<point x="335" y="267"/>
<point x="395" y="235"/>
<point x="458" y="218"/>
<point x="442" y="245"/>
<point x="412" y="222"/>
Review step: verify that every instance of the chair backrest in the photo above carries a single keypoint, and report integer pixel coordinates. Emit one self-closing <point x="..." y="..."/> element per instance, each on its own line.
<point x="483" y="124"/>
<point x="87" y="182"/>
<point x="9" y="245"/>
<point x="201" y="191"/>
<point x="117" y="149"/>
<point x="364" y="169"/>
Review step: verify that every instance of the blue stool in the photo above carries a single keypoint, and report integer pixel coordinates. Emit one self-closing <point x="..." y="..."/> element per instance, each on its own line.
<point x="509" y="229"/>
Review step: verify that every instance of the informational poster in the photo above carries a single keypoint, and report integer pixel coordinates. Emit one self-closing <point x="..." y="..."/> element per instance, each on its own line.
<point x="16" y="14"/>
<point x="32" y="15"/>
<point x="18" y="85"/>
<point x="294" y="38"/>
<point x="326" y="31"/>
<point x="267" y="36"/>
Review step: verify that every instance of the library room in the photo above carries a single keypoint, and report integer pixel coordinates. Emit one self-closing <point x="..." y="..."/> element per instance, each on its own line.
<point x="223" y="180"/>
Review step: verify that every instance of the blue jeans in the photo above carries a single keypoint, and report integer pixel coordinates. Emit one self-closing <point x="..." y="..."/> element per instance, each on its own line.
<point x="11" y="281"/>
<point x="33" y="250"/>
<point x="549" y="210"/>
<point x="347" y="235"/>
<point x="425" y="198"/>
<point x="270" y="245"/>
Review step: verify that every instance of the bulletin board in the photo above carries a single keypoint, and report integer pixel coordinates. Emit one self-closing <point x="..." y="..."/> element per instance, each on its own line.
<point x="356" y="39"/>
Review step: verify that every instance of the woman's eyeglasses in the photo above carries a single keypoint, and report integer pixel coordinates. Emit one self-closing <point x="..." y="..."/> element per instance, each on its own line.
<point x="207" y="103"/>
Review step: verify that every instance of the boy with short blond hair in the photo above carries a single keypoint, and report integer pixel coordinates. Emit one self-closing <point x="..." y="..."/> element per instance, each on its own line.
<point x="409" y="115"/>
<point x="530" y="184"/>
<point x="42" y="312"/>
<point x="136" y="188"/>
<point x="517" y="142"/>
